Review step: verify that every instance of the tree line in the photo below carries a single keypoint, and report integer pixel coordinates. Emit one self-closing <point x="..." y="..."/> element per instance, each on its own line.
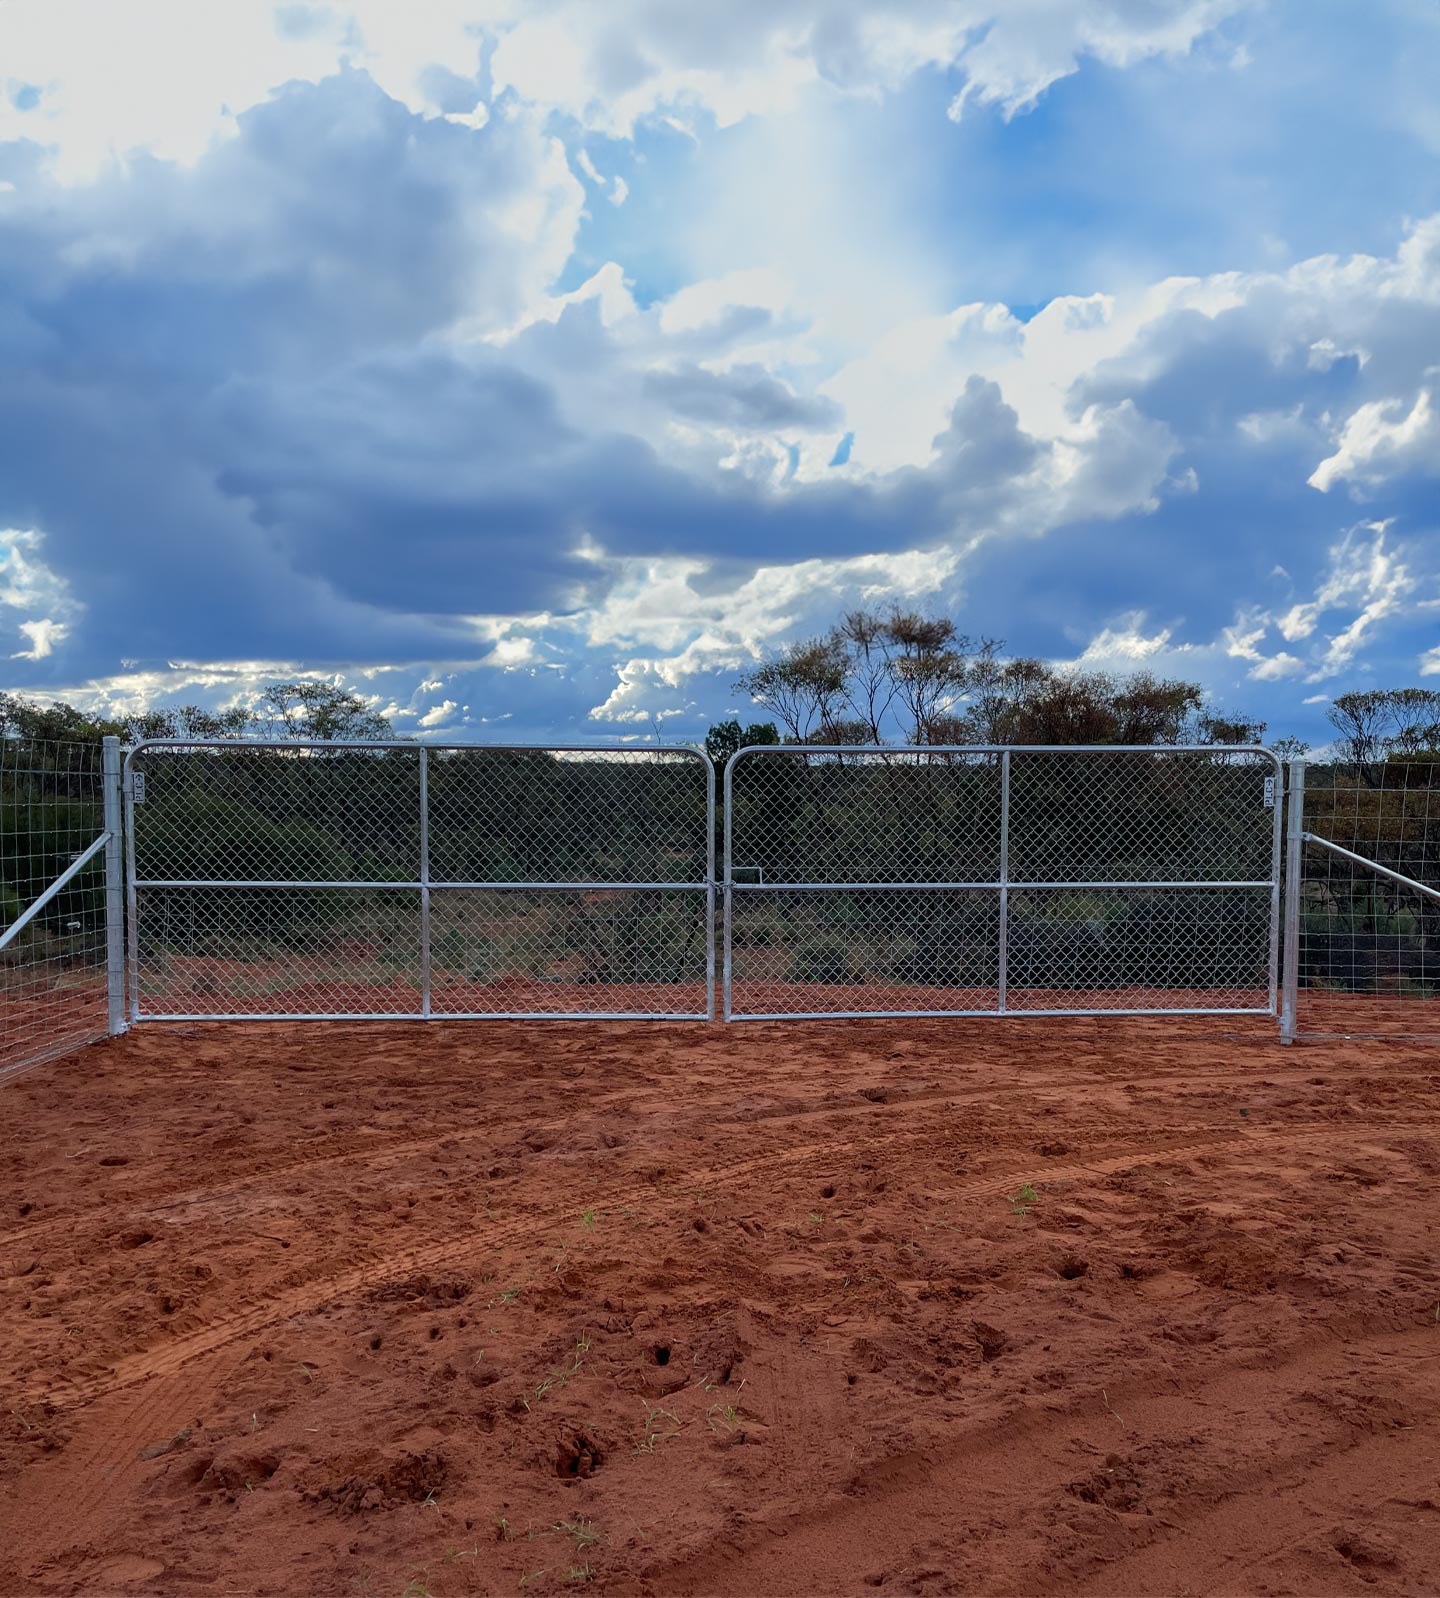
<point x="305" y="709"/>
<point x="908" y="678"/>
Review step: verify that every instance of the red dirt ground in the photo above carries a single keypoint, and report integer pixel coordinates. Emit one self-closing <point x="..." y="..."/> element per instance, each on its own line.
<point x="1081" y="1307"/>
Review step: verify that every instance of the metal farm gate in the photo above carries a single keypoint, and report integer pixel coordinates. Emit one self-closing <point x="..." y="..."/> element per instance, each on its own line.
<point x="313" y="880"/>
<point x="1001" y="881"/>
<point x="308" y="880"/>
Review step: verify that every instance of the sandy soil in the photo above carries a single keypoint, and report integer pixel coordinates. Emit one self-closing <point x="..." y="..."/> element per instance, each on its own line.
<point x="1082" y="1307"/>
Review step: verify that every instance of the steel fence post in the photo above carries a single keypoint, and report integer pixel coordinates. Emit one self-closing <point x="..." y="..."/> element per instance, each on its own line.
<point x="1294" y="866"/>
<point x="1004" y="952"/>
<point x="425" y="883"/>
<point x="709" y="888"/>
<point x="132" y="904"/>
<point x="728" y="894"/>
<point x="114" y="888"/>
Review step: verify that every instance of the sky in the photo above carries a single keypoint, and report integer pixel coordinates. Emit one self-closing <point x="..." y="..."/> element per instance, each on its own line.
<point x="533" y="367"/>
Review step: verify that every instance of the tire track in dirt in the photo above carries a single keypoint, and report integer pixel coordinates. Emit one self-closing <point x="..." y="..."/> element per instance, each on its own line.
<point x="320" y="1291"/>
<point x="376" y="1152"/>
<point x="952" y="1493"/>
<point x="92" y="1476"/>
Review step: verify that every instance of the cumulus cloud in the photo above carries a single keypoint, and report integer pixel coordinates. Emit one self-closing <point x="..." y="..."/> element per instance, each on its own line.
<point x="29" y="585"/>
<point x="608" y="67"/>
<point x="1367" y="581"/>
<point x="1382" y="439"/>
<point x="44" y="633"/>
<point x="605" y="67"/>
<point x="439" y="714"/>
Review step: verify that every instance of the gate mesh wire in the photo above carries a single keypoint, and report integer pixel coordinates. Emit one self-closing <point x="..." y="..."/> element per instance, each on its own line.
<point x="53" y="974"/>
<point x="1369" y="947"/>
<point x="872" y="883"/>
<point x="528" y="851"/>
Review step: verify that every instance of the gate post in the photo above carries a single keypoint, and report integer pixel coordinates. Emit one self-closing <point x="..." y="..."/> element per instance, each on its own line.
<point x="727" y="892"/>
<point x="1294" y="857"/>
<point x="425" y="882"/>
<point x="114" y="887"/>
<point x="1003" y="976"/>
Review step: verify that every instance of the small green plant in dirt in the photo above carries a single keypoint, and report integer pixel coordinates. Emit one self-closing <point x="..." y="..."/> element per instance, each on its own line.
<point x="454" y="1555"/>
<point x="503" y="1534"/>
<point x="722" y="1419"/>
<point x="417" y="1587"/>
<point x="1020" y="1204"/>
<point x="660" y="1424"/>
<point x="587" y="1220"/>
<point x="562" y="1375"/>
<point x="581" y="1530"/>
<point x="579" y="1573"/>
<point x="508" y="1295"/>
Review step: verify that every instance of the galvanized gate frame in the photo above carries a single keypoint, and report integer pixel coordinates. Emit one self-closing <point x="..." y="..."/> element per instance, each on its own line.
<point x="1280" y="982"/>
<point x="1004" y="882"/>
<point x="423" y="882"/>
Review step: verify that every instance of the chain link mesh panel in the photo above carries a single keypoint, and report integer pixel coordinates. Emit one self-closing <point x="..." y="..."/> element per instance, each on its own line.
<point x="224" y="813"/>
<point x="52" y="975"/>
<point x="869" y="951"/>
<point x="516" y="951"/>
<point x="1369" y="945"/>
<point x="1139" y="950"/>
<point x="329" y="951"/>
<point x="317" y="880"/>
<point x="513" y="816"/>
<point x="987" y="881"/>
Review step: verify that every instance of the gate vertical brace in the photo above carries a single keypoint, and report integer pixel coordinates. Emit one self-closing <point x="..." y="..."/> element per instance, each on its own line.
<point x="1004" y="971"/>
<point x="425" y="883"/>
<point x="1294" y="866"/>
<point x="114" y="887"/>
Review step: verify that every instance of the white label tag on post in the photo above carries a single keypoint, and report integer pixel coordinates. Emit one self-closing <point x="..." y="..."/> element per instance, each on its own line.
<point x="1269" y="793"/>
<point x="138" y="782"/>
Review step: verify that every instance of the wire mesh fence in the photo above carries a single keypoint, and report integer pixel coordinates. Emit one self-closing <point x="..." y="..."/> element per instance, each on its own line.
<point x="1001" y="881"/>
<point x="53" y="971"/>
<point x="305" y="880"/>
<point x="1367" y="928"/>
<point x="308" y="880"/>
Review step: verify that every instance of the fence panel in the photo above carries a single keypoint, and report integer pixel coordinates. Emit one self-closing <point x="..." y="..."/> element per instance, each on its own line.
<point x="53" y="989"/>
<point x="1001" y="881"/>
<point x="314" y="880"/>
<point x="1367" y="918"/>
